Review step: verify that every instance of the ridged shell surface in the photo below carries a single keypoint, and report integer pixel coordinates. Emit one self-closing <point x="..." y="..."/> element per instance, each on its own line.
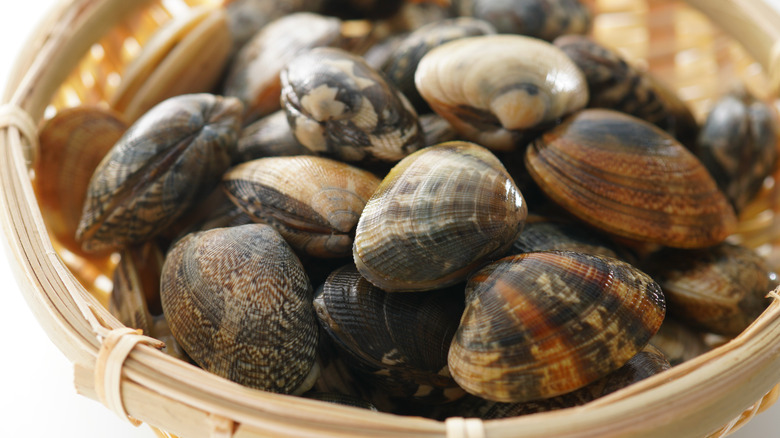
<point x="313" y="202"/>
<point x="631" y="179"/>
<point x="166" y="160"/>
<point x="494" y="88"/>
<point x="545" y="19"/>
<point x="240" y="304"/>
<point x="542" y="324"/>
<point x="436" y="217"/>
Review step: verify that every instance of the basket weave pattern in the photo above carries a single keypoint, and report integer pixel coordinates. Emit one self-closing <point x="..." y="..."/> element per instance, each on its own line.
<point x="79" y="56"/>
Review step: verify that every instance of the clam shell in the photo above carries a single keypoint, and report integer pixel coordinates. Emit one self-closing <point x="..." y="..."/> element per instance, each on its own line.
<point x="247" y="17"/>
<point x="339" y="106"/>
<point x="72" y="144"/>
<point x="268" y="137"/>
<point x="721" y="289"/>
<point x="186" y="55"/>
<point x="313" y="202"/>
<point x="629" y="178"/>
<point x="254" y="75"/>
<point x="167" y="159"/>
<point x="542" y="324"/>
<point x="436" y="217"/>
<point x="678" y="341"/>
<point x="239" y="303"/>
<point x="559" y="236"/>
<point x="492" y="89"/>
<point x="544" y="19"/>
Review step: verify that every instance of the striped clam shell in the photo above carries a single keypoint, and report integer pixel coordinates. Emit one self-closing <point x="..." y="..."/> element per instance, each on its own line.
<point x="631" y="179"/>
<point x="313" y="202"/>
<point x="542" y="324"/>
<point x="169" y="157"/>
<point x="339" y="106"/>
<point x="240" y="304"/>
<point x="436" y="217"/>
<point x="493" y="89"/>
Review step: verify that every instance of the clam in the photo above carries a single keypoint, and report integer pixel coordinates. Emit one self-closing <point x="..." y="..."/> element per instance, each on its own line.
<point x="494" y="89"/>
<point x="186" y="55"/>
<point x="214" y="210"/>
<point x="438" y="215"/>
<point x="313" y="202"/>
<point x="615" y="84"/>
<point x="629" y="178"/>
<point x="72" y="144"/>
<point x="253" y="76"/>
<point x="167" y="159"/>
<point x="436" y="129"/>
<point x="542" y="324"/>
<point x="721" y="289"/>
<point x="337" y="105"/>
<point x="563" y="236"/>
<point x="738" y="145"/>
<point x="401" y="338"/>
<point x="544" y="19"/>
<point x="239" y="303"/>
<point x="268" y="137"/>
<point x="678" y="341"/>
<point x="402" y="62"/>
<point x="135" y="298"/>
<point x="247" y="17"/>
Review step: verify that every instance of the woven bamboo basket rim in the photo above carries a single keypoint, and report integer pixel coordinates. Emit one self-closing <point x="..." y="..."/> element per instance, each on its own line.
<point x="712" y="394"/>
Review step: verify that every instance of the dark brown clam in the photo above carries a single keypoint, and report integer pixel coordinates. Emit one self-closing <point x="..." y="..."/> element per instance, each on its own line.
<point x="438" y="215"/>
<point x="402" y="63"/>
<point x="400" y="338"/>
<point x="496" y="89"/>
<point x="167" y="159"/>
<point x="72" y="144"/>
<point x="629" y="178"/>
<point x="545" y="19"/>
<point x="563" y="236"/>
<point x="339" y="106"/>
<point x="617" y="85"/>
<point x="738" y="145"/>
<point x="721" y="289"/>
<point x="253" y="76"/>
<point x="313" y="202"/>
<point x="239" y="302"/>
<point x="542" y="324"/>
<point x="268" y="137"/>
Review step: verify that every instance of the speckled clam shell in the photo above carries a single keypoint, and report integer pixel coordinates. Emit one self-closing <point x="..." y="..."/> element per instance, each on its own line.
<point x="166" y="160"/>
<point x="563" y="236"/>
<point x="253" y="76"/>
<point x="268" y="137"/>
<point x="72" y="144"/>
<point x="631" y="179"/>
<point x="339" y="106"/>
<point x="495" y="88"/>
<point x="239" y="303"/>
<point x="615" y="84"/>
<point x="436" y="217"/>
<point x="400" y="336"/>
<point x="738" y="145"/>
<point x="402" y="62"/>
<point x="542" y="324"/>
<point x="313" y="202"/>
<point x="721" y="289"/>
<point x="544" y="19"/>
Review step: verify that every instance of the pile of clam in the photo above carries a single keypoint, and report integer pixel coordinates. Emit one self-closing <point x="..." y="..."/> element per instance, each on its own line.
<point x="336" y="207"/>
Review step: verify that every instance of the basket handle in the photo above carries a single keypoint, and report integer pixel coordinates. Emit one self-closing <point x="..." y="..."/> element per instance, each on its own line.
<point x="755" y="25"/>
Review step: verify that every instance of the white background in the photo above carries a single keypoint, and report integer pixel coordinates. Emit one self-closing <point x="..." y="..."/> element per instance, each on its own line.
<point x="37" y="397"/>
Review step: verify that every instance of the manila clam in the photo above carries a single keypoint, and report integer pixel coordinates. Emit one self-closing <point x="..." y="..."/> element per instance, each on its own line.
<point x="438" y="215"/>
<point x="313" y="202"/>
<point x="240" y="304"/>
<point x="72" y="144"/>
<point x="401" y="337"/>
<point x="542" y="324"/>
<point x="174" y="153"/>
<point x="268" y="137"/>
<point x="247" y="17"/>
<point x="337" y="105"/>
<point x="721" y="289"/>
<point x="738" y="145"/>
<point x="549" y="235"/>
<point x="253" y="76"/>
<point x="628" y="177"/>
<point x="493" y="89"/>
<point x="545" y="19"/>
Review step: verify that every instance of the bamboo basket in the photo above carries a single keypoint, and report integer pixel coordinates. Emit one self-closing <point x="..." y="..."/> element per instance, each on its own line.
<point x="711" y="395"/>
